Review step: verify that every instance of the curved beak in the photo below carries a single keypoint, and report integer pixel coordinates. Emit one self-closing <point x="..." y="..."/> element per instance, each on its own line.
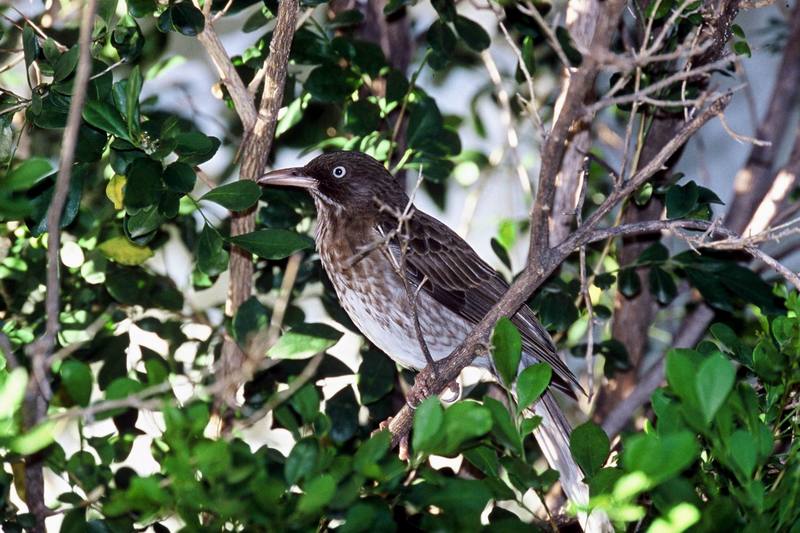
<point x="289" y="177"/>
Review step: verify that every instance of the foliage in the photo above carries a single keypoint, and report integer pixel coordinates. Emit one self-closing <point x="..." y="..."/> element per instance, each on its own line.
<point x="138" y="352"/>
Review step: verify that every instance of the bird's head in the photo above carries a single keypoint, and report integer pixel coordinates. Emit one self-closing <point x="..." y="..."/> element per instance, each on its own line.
<point x="342" y="180"/>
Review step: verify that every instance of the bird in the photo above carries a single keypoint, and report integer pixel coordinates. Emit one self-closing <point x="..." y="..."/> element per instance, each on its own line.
<point x="415" y="288"/>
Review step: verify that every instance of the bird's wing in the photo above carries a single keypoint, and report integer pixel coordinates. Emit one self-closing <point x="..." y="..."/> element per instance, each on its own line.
<point x="463" y="282"/>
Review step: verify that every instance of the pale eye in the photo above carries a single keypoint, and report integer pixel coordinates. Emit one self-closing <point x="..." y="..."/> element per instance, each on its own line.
<point x="339" y="172"/>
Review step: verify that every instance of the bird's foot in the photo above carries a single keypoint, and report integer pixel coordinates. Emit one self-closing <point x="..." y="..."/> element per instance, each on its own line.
<point x="423" y="385"/>
<point x="402" y="446"/>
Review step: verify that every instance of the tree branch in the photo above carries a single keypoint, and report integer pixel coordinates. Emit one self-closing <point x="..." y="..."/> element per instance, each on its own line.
<point x="38" y="392"/>
<point x="536" y="272"/>
<point x="259" y="135"/>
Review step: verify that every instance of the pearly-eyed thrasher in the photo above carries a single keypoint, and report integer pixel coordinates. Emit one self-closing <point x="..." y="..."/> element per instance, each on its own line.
<point x="369" y="242"/>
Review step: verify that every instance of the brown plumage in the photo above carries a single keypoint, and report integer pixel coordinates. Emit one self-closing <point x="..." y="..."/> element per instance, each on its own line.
<point x="359" y="204"/>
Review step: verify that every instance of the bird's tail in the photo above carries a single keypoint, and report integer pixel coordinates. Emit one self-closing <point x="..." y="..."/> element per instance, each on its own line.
<point x="553" y="438"/>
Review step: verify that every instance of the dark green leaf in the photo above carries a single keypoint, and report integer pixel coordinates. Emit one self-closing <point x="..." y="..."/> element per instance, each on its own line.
<point x="66" y="64"/>
<point x="195" y="148"/>
<point x="77" y="379"/>
<point x="143" y="187"/>
<point x="531" y="384"/>
<point x="134" y="88"/>
<point x="742" y="48"/>
<point x="589" y="445"/>
<point x="272" y="243"/>
<point x="441" y="38"/>
<point x="250" y="318"/>
<point x="350" y="17"/>
<point x="302" y="461"/>
<point x="682" y="200"/>
<point x="629" y="283"/>
<point x="318" y="492"/>
<point x="236" y="196"/>
<point x="472" y="33"/>
<point x="180" y="177"/>
<point x="186" y="18"/>
<point x="506" y="350"/>
<point x="30" y="45"/>
<point x="211" y="256"/>
<point x="103" y="116"/>
<point x="329" y="83"/>
<point x="662" y="286"/>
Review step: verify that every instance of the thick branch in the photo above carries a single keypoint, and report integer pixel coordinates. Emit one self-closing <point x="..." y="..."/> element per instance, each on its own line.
<point x="255" y="151"/>
<point x="242" y="100"/>
<point x="580" y="83"/>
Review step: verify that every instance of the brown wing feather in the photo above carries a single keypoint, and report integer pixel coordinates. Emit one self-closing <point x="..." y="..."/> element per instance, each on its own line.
<point x="459" y="279"/>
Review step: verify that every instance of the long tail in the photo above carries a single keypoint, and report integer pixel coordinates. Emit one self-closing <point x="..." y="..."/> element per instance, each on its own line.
<point x="553" y="438"/>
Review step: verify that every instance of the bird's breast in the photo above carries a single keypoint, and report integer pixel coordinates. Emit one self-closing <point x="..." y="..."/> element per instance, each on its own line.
<point x="372" y="293"/>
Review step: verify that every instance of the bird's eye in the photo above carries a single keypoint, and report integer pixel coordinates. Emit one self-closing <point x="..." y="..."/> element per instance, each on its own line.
<point x="339" y="172"/>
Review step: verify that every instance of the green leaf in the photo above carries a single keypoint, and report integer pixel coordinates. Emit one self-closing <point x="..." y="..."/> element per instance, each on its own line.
<point x="134" y="88"/>
<point x="331" y="84"/>
<point x="12" y="392"/>
<point x="502" y="425"/>
<point x="658" y="9"/>
<point x="531" y="384"/>
<point x="66" y="64"/>
<point x="742" y="48"/>
<point x="428" y="421"/>
<point x="362" y="117"/>
<point x="302" y="461"/>
<point x="660" y="457"/>
<point x="655" y="253"/>
<point x="681" y="370"/>
<point x="77" y="379"/>
<point x="318" y="492"/>
<point x="506" y="350"/>
<point x="237" y="196"/>
<point x="304" y="341"/>
<point x="211" y="256"/>
<point x="370" y="453"/>
<point x="742" y="449"/>
<point x="662" y="286"/>
<point x="186" y="18"/>
<point x="628" y="282"/>
<point x="441" y="38"/>
<point x="472" y="33"/>
<point x="464" y="421"/>
<point x="144" y="222"/>
<point x="105" y="117"/>
<point x="194" y="147"/>
<point x="30" y="45"/>
<point x="250" y="318"/>
<point x="350" y="17"/>
<point x="714" y="382"/>
<point x="590" y="446"/>
<point x="34" y="440"/>
<point x="179" y="177"/>
<point x="26" y="174"/>
<point x="143" y="185"/>
<point x="272" y="243"/>
<point x="682" y="200"/>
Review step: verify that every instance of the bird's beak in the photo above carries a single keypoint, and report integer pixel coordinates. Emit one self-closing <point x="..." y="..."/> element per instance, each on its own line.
<point x="289" y="177"/>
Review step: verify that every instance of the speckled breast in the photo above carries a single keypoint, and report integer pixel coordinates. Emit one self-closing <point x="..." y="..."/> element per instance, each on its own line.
<point x="372" y="294"/>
